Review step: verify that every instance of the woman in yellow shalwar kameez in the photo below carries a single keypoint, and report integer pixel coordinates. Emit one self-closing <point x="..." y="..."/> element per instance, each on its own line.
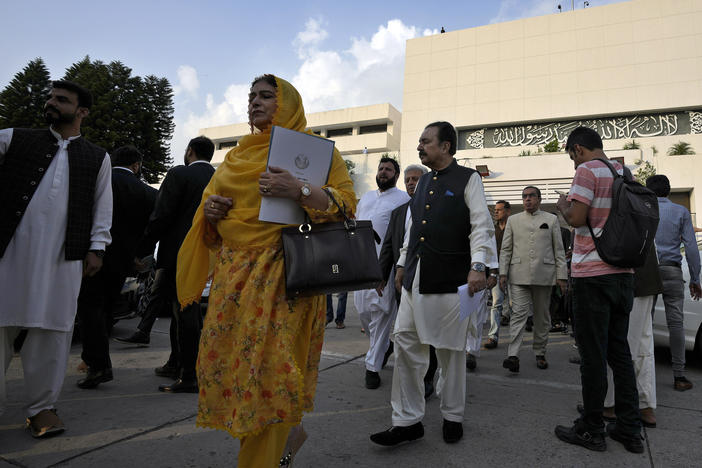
<point x="259" y="352"/>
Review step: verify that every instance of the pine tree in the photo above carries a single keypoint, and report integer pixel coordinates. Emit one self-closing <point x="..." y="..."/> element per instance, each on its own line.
<point x="128" y="110"/>
<point x="22" y="101"/>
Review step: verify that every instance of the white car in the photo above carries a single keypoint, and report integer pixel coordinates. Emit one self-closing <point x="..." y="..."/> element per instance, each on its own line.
<point x="692" y="321"/>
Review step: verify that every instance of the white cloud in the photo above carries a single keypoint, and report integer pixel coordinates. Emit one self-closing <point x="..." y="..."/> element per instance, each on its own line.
<point x="370" y="71"/>
<point x="188" y="81"/>
<point x="232" y="109"/>
<point x="312" y="36"/>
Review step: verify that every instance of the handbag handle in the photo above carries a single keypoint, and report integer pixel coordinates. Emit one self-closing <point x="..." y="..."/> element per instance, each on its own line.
<point x="342" y="210"/>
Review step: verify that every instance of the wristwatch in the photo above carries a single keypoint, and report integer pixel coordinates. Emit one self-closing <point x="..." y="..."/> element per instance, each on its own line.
<point x="305" y="191"/>
<point x="98" y="253"/>
<point x="479" y="267"/>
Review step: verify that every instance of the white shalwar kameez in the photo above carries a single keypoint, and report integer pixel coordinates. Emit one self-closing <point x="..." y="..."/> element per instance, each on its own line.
<point x="433" y="319"/>
<point x="378" y="313"/>
<point x="38" y="286"/>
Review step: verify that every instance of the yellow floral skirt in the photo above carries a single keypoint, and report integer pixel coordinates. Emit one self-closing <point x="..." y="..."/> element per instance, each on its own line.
<point x="259" y="352"/>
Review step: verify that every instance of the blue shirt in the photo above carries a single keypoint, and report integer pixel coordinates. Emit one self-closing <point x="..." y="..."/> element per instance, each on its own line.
<point x="674" y="227"/>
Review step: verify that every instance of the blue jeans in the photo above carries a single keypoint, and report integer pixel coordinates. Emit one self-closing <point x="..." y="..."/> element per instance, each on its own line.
<point x="601" y="307"/>
<point x="340" y="308"/>
<point x="500" y="307"/>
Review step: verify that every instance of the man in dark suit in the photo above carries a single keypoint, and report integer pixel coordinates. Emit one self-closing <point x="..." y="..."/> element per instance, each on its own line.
<point x="133" y="202"/>
<point x="390" y="252"/>
<point x="177" y="202"/>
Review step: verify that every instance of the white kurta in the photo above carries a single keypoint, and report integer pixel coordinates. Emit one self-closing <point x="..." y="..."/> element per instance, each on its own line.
<point x="435" y="317"/>
<point x="377" y="207"/>
<point x="377" y="313"/>
<point x="38" y="287"/>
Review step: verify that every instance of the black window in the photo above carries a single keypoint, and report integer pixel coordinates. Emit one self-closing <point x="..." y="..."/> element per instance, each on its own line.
<point x="227" y="144"/>
<point x="380" y="128"/>
<point x="336" y="132"/>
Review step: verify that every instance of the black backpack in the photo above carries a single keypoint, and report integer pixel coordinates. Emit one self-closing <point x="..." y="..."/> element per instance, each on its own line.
<point x="630" y="229"/>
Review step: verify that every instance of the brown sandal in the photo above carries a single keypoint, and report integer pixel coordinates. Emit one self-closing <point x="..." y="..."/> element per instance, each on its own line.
<point x="45" y="423"/>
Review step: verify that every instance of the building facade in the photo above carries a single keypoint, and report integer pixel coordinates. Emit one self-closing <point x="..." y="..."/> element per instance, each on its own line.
<point x="631" y="70"/>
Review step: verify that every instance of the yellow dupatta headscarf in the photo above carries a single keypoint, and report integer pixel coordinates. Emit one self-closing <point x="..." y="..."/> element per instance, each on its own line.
<point x="237" y="178"/>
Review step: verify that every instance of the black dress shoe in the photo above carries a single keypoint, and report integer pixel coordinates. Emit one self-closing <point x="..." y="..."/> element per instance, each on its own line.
<point x="511" y="363"/>
<point x="167" y="370"/>
<point x="541" y="362"/>
<point x="179" y="386"/>
<point x="95" y="378"/>
<point x="372" y="380"/>
<point x="137" y="338"/>
<point x="471" y="363"/>
<point x="577" y="435"/>
<point x="631" y="442"/>
<point x="428" y="389"/>
<point x="452" y="431"/>
<point x="397" y="434"/>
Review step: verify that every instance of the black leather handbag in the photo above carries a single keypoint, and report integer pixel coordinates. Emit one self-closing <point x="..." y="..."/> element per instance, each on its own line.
<point x="330" y="257"/>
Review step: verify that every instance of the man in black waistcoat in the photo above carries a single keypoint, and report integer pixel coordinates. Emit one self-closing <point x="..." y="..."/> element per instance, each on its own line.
<point x="390" y="253"/>
<point x="178" y="199"/>
<point x="449" y="242"/>
<point x="56" y="213"/>
<point x="133" y="202"/>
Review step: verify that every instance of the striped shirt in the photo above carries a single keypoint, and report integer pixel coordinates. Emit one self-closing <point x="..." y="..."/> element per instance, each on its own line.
<point x="592" y="185"/>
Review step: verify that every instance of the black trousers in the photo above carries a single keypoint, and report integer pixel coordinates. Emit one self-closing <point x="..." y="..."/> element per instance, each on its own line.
<point x="188" y="322"/>
<point x="601" y="306"/>
<point x="161" y="294"/>
<point x="98" y="295"/>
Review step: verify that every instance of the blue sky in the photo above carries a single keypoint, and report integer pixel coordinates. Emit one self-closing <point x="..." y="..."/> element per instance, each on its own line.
<point x="338" y="53"/>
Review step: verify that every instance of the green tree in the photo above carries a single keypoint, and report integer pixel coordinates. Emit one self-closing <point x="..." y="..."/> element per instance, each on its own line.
<point x="680" y="147"/>
<point x="644" y="171"/>
<point x="22" y="101"/>
<point x="552" y="146"/>
<point x="350" y="166"/>
<point x="128" y="110"/>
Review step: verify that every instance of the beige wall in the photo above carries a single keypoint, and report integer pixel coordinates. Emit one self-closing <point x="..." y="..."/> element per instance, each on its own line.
<point x="630" y="57"/>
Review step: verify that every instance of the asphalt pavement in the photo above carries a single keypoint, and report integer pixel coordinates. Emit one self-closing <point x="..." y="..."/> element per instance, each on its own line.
<point x="509" y="418"/>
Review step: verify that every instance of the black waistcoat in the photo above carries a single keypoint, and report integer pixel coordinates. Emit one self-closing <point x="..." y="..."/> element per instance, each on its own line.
<point x="440" y="231"/>
<point x="26" y="161"/>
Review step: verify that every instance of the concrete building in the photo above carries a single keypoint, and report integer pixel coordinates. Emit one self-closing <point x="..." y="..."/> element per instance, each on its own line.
<point x="631" y="70"/>
<point x="361" y="134"/>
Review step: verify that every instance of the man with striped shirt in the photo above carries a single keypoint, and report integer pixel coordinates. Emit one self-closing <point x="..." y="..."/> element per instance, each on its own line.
<point x="602" y="298"/>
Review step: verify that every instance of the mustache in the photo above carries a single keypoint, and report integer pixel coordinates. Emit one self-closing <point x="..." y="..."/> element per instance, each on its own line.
<point x="50" y="107"/>
<point x="422" y="153"/>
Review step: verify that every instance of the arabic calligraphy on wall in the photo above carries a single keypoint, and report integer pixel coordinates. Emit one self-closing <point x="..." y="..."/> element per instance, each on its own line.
<point x="614" y="128"/>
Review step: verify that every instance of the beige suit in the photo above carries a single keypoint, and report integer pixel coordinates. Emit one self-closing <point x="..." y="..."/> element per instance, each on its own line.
<point x="532" y="258"/>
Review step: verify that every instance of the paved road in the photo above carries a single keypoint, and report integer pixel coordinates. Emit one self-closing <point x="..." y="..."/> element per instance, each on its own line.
<point x="509" y="418"/>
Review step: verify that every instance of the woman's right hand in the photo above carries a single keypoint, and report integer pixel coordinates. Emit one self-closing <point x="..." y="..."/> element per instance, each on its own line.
<point x="216" y="208"/>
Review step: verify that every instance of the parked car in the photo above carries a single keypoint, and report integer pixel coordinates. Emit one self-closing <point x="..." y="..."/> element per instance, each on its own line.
<point x="692" y="321"/>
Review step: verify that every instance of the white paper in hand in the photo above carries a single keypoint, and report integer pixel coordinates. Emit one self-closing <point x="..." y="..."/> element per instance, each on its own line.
<point x="469" y="305"/>
<point x="308" y="158"/>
